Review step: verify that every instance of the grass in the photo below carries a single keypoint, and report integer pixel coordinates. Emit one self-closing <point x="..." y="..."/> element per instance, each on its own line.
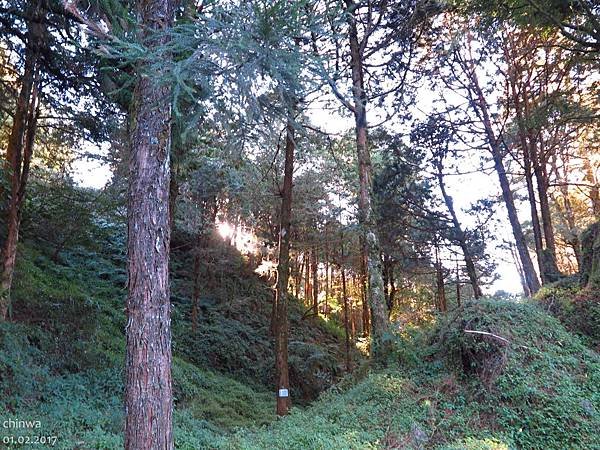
<point x="540" y="391"/>
<point x="61" y="362"/>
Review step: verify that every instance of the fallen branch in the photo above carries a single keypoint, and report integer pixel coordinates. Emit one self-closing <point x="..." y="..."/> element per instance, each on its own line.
<point x="485" y="333"/>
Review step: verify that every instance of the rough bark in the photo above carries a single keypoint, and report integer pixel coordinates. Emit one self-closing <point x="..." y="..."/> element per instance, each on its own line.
<point x="551" y="272"/>
<point x="535" y="219"/>
<point x="281" y="293"/>
<point x="370" y="240"/>
<point x="148" y="384"/>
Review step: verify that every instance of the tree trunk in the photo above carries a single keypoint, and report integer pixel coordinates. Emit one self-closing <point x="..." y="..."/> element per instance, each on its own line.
<point x="281" y="293"/>
<point x="571" y="236"/>
<point x="386" y="283"/>
<point x="298" y="278"/>
<point x="307" y="290"/>
<point x="460" y="235"/>
<point x="457" y="284"/>
<point x="315" y="285"/>
<point x="370" y="241"/>
<point x="392" y="279"/>
<point x="480" y="105"/>
<point x="439" y="278"/>
<point x="326" y="311"/>
<point x="517" y="262"/>
<point x="346" y="320"/>
<point x="551" y="272"/>
<point x="148" y="385"/>
<point x="196" y="290"/>
<point x="535" y="219"/>
<point x="20" y="149"/>
<point x="595" y="188"/>
<point x="363" y="294"/>
<point x="519" y="93"/>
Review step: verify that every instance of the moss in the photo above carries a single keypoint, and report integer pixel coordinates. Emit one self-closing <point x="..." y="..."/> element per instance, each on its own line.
<point x="577" y="309"/>
<point x="590" y="257"/>
<point x="545" y="395"/>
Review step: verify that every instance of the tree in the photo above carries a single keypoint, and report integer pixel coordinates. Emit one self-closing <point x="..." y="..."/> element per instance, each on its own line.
<point x="436" y="136"/>
<point x="20" y="145"/>
<point x="464" y="63"/>
<point x="283" y="271"/>
<point x="38" y="36"/>
<point x="148" y="386"/>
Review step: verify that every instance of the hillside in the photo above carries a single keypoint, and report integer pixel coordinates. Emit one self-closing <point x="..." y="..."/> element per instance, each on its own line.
<point x="532" y="385"/>
<point x="61" y="357"/>
<point x="448" y="389"/>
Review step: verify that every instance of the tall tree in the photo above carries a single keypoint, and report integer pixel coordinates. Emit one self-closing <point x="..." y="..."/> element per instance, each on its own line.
<point x="20" y="145"/>
<point x="464" y="64"/>
<point x="57" y="72"/>
<point x="436" y="136"/>
<point x="148" y="385"/>
<point x="283" y="270"/>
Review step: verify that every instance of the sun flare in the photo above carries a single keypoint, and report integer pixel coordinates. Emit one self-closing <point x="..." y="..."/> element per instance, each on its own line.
<point x="225" y="230"/>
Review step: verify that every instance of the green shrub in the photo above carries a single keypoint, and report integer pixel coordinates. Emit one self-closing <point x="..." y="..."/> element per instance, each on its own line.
<point x="577" y="309"/>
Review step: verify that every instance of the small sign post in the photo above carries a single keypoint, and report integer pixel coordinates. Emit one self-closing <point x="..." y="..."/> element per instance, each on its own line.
<point x="283" y="393"/>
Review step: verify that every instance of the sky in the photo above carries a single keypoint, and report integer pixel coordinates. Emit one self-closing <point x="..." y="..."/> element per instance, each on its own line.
<point x="465" y="190"/>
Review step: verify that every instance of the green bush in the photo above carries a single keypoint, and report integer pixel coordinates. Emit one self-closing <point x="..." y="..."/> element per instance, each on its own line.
<point x="577" y="309"/>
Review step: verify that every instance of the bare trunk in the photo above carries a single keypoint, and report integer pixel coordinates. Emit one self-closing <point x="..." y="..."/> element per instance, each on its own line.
<point x="196" y="291"/>
<point x="457" y="284"/>
<point x="19" y="151"/>
<point x="326" y="311"/>
<point x="531" y="279"/>
<point x="370" y="240"/>
<point x="519" y="93"/>
<point x="551" y="272"/>
<point x="148" y="385"/>
<point x="517" y="262"/>
<point x="353" y="319"/>
<point x="307" y="290"/>
<point x="363" y="295"/>
<point x="298" y="279"/>
<point x="392" y="289"/>
<point x="439" y="282"/>
<point x="535" y="219"/>
<point x="571" y="236"/>
<point x="281" y="302"/>
<point x="315" y="285"/>
<point x="595" y="188"/>
<point x="460" y="235"/>
<point x="346" y="321"/>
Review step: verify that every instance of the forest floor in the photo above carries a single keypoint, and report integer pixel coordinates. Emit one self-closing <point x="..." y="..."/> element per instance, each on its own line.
<point x="530" y="383"/>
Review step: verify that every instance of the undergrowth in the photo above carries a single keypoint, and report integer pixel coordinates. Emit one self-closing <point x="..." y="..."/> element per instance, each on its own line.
<point x="516" y="379"/>
<point x="578" y="309"/>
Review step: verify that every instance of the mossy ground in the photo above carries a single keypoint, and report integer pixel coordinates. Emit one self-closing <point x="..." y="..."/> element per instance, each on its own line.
<point x="449" y="389"/>
<point x="61" y="362"/>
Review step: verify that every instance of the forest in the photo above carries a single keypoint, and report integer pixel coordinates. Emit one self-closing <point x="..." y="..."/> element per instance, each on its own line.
<point x="300" y="224"/>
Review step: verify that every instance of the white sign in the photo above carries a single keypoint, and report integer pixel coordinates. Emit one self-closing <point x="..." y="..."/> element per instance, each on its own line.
<point x="283" y="393"/>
